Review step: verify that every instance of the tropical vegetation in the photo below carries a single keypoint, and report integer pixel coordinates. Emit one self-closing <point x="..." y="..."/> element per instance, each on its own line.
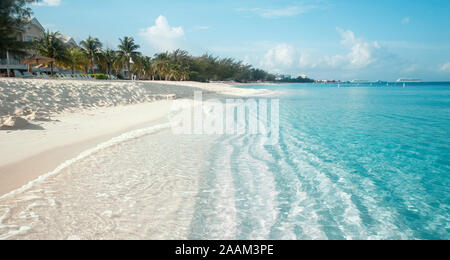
<point x="50" y="45"/>
<point x="124" y="62"/>
<point x="14" y="15"/>
<point x="92" y="48"/>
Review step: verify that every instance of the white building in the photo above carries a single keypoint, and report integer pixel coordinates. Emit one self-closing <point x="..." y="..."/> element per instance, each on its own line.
<point x="70" y="42"/>
<point x="33" y="30"/>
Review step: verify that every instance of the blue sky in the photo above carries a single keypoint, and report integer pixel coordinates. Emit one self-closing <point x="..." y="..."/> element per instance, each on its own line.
<point x="324" y="39"/>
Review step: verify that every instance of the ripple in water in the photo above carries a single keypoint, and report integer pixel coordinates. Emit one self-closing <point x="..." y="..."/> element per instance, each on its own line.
<point x="351" y="163"/>
<point x="143" y="188"/>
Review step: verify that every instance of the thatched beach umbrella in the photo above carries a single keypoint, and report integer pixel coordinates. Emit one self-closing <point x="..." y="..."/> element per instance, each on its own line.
<point x="37" y="60"/>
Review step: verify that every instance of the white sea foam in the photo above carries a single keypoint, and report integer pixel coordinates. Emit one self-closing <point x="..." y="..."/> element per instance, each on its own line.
<point x="136" y="186"/>
<point x="216" y="212"/>
<point x="122" y="138"/>
<point x="258" y="186"/>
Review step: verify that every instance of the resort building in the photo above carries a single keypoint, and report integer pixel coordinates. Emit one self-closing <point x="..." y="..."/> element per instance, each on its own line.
<point x="32" y="31"/>
<point x="283" y="77"/>
<point x="303" y="76"/>
<point x="70" y="42"/>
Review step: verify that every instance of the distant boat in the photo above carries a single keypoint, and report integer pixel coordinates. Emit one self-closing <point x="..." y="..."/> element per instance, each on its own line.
<point x="409" y="80"/>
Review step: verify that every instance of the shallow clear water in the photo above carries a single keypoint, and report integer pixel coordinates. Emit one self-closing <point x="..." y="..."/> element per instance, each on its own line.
<point x="355" y="162"/>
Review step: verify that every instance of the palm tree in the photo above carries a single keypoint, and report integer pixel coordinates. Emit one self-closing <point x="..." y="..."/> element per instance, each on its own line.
<point x="77" y="60"/>
<point x="184" y="74"/>
<point x="138" y="65"/>
<point x="147" y="64"/>
<point x="162" y="65"/>
<point x="153" y="69"/>
<point x="51" y="46"/>
<point x="14" y="16"/>
<point x="92" y="47"/>
<point x="163" y="69"/>
<point x="127" y="52"/>
<point x="108" y="58"/>
<point x="143" y="66"/>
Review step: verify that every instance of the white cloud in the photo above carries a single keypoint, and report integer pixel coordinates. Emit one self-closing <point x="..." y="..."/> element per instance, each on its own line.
<point x="358" y="54"/>
<point x="445" y="67"/>
<point x="306" y="60"/>
<point x="362" y="52"/>
<point x="280" y="57"/>
<point x="333" y="62"/>
<point x="271" y="13"/>
<point x="406" y="20"/>
<point x="163" y="37"/>
<point x="48" y="3"/>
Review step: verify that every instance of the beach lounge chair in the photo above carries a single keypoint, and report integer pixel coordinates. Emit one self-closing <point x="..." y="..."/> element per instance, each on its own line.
<point x="18" y="74"/>
<point x="27" y="74"/>
<point x="45" y="76"/>
<point x="68" y="76"/>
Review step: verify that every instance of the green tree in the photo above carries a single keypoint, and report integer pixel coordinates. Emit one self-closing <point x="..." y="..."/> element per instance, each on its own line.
<point x="92" y="48"/>
<point x="14" y="15"/>
<point x="162" y="66"/>
<point x="107" y="59"/>
<point x="143" y="66"/>
<point x="127" y="51"/>
<point x="50" y="45"/>
<point x="76" y="60"/>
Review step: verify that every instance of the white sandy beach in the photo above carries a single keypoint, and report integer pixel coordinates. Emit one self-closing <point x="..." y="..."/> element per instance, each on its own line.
<point x="58" y="119"/>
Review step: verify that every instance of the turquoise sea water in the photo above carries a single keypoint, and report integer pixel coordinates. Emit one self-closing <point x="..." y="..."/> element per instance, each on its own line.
<point x="353" y="162"/>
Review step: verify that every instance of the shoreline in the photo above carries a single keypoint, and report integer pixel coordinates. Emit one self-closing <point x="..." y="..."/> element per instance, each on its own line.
<point x="41" y="147"/>
<point x="30" y="154"/>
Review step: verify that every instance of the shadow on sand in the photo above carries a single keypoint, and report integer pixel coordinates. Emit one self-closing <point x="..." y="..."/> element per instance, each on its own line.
<point x="21" y="124"/>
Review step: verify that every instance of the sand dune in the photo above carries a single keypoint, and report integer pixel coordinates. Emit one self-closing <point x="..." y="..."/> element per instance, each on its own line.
<point x="23" y="100"/>
<point x="30" y="99"/>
